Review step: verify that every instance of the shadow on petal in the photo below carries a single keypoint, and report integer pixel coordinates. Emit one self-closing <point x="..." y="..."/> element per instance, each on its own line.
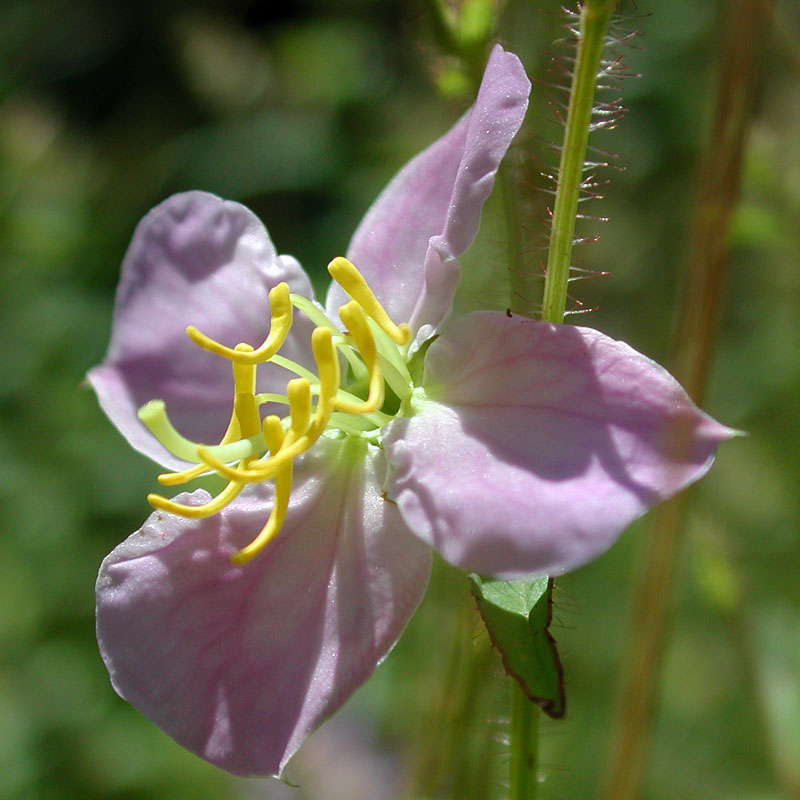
<point x="241" y="664"/>
<point x="542" y="443"/>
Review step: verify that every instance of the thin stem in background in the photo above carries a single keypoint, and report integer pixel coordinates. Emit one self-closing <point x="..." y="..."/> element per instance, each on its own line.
<point x="521" y="279"/>
<point x="451" y="746"/>
<point x="745" y="24"/>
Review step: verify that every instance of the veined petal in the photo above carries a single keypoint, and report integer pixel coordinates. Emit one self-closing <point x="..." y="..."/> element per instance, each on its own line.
<point x="241" y="663"/>
<point x="539" y="444"/>
<point x="407" y="243"/>
<point x="195" y="259"/>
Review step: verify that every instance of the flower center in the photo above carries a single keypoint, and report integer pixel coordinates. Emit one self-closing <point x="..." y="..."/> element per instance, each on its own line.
<point x="253" y="449"/>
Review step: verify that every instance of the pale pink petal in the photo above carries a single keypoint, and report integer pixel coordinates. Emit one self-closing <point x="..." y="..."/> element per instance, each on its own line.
<point x="407" y="243"/>
<point x="240" y="664"/>
<point x="195" y="259"/>
<point x="539" y="444"/>
<point x="496" y="117"/>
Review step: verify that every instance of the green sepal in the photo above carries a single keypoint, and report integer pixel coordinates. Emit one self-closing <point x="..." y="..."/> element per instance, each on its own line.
<point x="417" y="361"/>
<point x="517" y="616"/>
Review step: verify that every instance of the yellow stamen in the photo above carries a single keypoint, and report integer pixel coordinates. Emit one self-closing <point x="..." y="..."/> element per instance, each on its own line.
<point x="352" y="281"/>
<point x="265" y="469"/>
<point x="327" y="361"/>
<point x="244" y="374"/>
<point x="177" y="478"/>
<point x="240" y="456"/>
<point x="298" y="390"/>
<point x="274" y="436"/>
<point x="357" y="326"/>
<point x="244" y="421"/>
<point x="208" y="509"/>
<point x="261" y="470"/>
<point x="273" y="432"/>
<point x="154" y="416"/>
<point x="280" y="506"/>
<point x="280" y="324"/>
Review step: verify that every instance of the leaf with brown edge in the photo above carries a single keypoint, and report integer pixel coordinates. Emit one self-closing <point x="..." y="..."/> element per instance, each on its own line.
<point x="517" y="616"/>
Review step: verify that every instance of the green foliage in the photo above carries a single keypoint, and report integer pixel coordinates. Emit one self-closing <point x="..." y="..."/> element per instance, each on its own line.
<point x="518" y="616"/>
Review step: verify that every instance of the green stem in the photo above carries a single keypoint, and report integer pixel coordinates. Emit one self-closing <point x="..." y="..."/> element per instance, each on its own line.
<point x="594" y="21"/>
<point x="524" y="745"/>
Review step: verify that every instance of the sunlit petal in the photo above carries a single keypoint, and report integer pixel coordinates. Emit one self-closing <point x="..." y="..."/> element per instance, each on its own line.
<point x="240" y="663"/>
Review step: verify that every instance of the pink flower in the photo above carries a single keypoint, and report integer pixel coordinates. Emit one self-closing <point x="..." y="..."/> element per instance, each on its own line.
<point x="513" y="447"/>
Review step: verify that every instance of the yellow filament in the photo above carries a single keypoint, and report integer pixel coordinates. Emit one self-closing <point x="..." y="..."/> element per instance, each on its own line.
<point x="327" y="361"/>
<point x="262" y="470"/>
<point x="244" y="375"/>
<point x="356" y="323"/>
<point x="280" y="324"/>
<point x="208" y="509"/>
<point x="352" y="281"/>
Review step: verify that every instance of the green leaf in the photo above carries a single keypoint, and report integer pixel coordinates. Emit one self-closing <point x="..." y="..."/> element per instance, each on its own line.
<point x="517" y="616"/>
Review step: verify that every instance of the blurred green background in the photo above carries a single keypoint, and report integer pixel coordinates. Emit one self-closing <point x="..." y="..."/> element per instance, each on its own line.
<point x="303" y="111"/>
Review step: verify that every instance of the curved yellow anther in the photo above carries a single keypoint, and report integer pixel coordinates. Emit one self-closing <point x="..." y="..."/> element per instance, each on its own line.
<point x="328" y="368"/>
<point x="280" y="505"/>
<point x="244" y="421"/>
<point x="352" y="281"/>
<point x="177" y="478"/>
<point x="356" y="323"/>
<point x="274" y="436"/>
<point x="197" y="512"/>
<point x="280" y="324"/>
<point x="327" y="361"/>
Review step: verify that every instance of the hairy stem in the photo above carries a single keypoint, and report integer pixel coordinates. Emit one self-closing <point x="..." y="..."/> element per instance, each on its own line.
<point x="717" y="197"/>
<point x="594" y="20"/>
